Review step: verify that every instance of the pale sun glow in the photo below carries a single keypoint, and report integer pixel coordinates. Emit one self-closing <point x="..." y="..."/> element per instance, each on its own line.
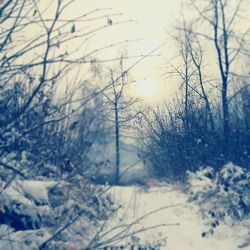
<point x="145" y="89"/>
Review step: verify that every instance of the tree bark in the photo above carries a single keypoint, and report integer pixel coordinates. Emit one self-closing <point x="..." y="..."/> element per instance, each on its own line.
<point x="117" y="144"/>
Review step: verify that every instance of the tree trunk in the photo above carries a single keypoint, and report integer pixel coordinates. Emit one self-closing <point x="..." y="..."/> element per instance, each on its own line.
<point x="223" y="61"/>
<point x="117" y="145"/>
<point x="225" y="115"/>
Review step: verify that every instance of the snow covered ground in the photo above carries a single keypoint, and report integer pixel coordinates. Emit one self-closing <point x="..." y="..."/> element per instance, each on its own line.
<point x="160" y="212"/>
<point x="183" y="224"/>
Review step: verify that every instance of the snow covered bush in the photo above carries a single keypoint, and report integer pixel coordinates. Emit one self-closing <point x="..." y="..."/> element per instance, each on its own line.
<point x="33" y="211"/>
<point x="134" y="243"/>
<point x="222" y="194"/>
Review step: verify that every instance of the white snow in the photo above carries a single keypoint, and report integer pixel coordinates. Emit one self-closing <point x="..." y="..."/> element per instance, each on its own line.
<point x="38" y="190"/>
<point x="137" y="202"/>
<point x="175" y="219"/>
<point x="14" y="194"/>
<point x="28" y="239"/>
<point x="23" y="191"/>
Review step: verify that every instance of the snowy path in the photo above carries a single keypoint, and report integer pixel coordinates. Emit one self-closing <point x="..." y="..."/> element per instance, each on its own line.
<point x="187" y="235"/>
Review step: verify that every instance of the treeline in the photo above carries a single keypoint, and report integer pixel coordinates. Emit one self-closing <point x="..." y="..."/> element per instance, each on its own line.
<point x="53" y="112"/>
<point x="208" y="123"/>
<point x="50" y="116"/>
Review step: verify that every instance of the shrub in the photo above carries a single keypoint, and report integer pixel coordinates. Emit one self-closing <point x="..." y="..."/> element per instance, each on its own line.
<point x="221" y="194"/>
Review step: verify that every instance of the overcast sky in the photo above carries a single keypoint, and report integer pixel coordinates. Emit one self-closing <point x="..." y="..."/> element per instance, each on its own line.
<point x="152" y="23"/>
<point x="152" y="19"/>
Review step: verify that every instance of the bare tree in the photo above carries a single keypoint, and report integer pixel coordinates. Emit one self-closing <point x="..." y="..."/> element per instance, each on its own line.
<point x="221" y="16"/>
<point x="36" y="57"/>
<point x="121" y="110"/>
<point x="196" y="54"/>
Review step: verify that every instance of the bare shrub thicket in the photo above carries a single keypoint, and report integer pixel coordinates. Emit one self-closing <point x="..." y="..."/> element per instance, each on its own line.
<point x="208" y="123"/>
